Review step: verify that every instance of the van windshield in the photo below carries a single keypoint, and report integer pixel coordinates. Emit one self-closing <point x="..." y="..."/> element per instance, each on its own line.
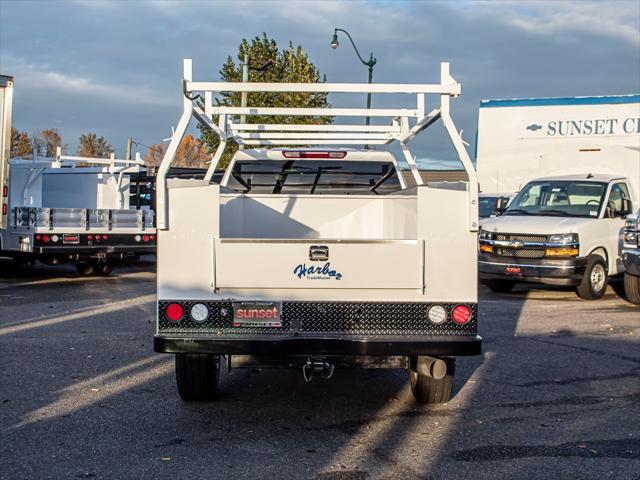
<point x="314" y="177"/>
<point x="559" y="198"/>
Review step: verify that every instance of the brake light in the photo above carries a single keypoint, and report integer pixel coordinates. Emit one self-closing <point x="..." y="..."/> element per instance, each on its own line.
<point x="104" y="237"/>
<point x="38" y="237"/>
<point x="152" y="237"/>
<point x="46" y="238"/>
<point x="89" y="237"/>
<point x="5" y="209"/>
<point x="145" y="238"/>
<point x="461" y="314"/>
<point x="5" y="191"/>
<point x="98" y="238"/>
<point x="174" y="312"/>
<point x="307" y="154"/>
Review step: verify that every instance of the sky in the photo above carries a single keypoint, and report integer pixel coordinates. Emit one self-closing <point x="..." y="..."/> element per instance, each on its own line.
<point x="114" y="67"/>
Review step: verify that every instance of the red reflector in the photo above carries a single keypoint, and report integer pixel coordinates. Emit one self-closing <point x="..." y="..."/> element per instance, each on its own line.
<point x="152" y="237"/>
<point x="5" y="191"/>
<point x="461" y="314"/>
<point x="306" y="154"/>
<point x="89" y="237"/>
<point x="4" y="208"/>
<point x="174" y="312"/>
<point x="38" y="237"/>
<point x="46" y="238"/>
<point x="145" y="238"/>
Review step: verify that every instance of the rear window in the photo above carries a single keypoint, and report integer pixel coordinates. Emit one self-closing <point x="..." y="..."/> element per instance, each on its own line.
<point x="314" y="177"/>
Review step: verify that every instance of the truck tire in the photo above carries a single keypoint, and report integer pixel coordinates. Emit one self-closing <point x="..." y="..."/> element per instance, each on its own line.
<point x="85" y="268"/>
<point x="632" y="288"/>
<point x="197" y="376"/>
<point x="103" y="268"/>
<point x="595" y="279"/>
<point x="429" y="390"/>
<point x="500" y="286"/>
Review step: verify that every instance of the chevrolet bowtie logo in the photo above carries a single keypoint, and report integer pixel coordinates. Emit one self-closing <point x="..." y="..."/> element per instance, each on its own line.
<point x="534" y="126"/>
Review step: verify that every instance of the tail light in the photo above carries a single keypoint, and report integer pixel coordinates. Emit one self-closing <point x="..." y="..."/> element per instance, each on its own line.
<point x="5" y="208"/>
<point x="461" y="314"/>
<point x="5" y="191"/>
<point x="174" y="312"/>
<point x="104" y="237"/>
<point x="307" y="154"/>
<point x="46" y="238"/>
<point x="89" y="237"/>
<point x="38" y="237"/>
<point x="98" y="237"/>
<point x="145" y="238"/>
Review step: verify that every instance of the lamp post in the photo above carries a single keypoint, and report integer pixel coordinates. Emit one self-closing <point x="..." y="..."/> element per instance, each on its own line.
<point x="372" y="61"/>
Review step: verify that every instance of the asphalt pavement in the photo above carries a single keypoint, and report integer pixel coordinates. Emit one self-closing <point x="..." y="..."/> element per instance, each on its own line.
<point x="556" y="394"/>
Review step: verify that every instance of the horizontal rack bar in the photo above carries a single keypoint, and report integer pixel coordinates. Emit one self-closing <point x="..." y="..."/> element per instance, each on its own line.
<point x="314" y="112"/>
<point x="236" y="127"/>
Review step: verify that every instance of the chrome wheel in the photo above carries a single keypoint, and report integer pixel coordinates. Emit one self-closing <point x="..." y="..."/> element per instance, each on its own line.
<point x="598" y="277"/>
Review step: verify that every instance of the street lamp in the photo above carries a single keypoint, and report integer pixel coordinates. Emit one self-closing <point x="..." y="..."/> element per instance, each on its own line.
<point x="372" y="61"/>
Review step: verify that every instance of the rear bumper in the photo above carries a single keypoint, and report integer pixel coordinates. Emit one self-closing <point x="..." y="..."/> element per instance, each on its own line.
<point x="441" y="345"/>
<point x="94" y="250"/>
<point x="548" y="271"/>
<point x="631" y="260"/>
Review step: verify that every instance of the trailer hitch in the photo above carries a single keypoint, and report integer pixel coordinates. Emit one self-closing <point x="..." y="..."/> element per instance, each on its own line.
<point x="317" y="366"/>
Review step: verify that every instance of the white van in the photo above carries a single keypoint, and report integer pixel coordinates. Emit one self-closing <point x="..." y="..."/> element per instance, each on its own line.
<point x="576" y="165"/>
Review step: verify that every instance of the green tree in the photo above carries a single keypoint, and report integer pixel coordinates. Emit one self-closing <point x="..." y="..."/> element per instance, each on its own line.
<point x="291" y="65"/>
<point x="92" y="146"/>
<point x="20" y="144"/>
<point x="46" y="142"/>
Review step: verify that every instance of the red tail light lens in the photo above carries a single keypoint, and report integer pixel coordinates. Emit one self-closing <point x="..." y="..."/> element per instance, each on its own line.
<point x="174" y="312"/>
<point x="306" y="154"/>
<point x="145" y="238"/>
<point x="98" y="237"/>
<point x="5" y="208"/>
<point x="152" y="237"/>
<point x="461" y="314"/>
<point x="104" y="237"/>
<point x="38" y="237"/>
<point x="46" y="238"/>
<point x="89" y="237"/>
<point x="5" y="191"/>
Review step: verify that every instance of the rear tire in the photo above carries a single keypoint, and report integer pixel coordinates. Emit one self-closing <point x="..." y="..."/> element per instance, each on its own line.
<point x="197" y="376"/>
<point x="595" y="279"/>
<point x="103" y="268"/>
<point x="500" y="286"/>
<point x="431" y="391"/>
<point x="85" y="268"/>
<point x="632" y="288"/>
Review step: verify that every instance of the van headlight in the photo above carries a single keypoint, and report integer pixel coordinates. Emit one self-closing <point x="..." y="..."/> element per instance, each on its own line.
<point x="485" y="235"/>
<point x="631" y="234"/>
<point x="563" y="239"/>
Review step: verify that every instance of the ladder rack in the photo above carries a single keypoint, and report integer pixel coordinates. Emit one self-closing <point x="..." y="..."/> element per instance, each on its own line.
<point x="404" y="123"/>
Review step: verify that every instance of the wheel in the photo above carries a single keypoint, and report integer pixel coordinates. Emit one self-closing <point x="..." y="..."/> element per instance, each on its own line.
<point x="500" y="286"/>
<point x="85" y="268"/>
<point x="429" y="390"/>
<point x="103" y="268"/>
<point x="197" y="376"/>
<point x="595" y="280"/>
<point x="632" y="288"/>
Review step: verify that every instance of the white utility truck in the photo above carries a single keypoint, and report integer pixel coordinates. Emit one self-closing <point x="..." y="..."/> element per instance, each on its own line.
<point x="576" y="165"/>
<point x="69" y="209"/>
<point x="631" y="258"/>
<point x="313" y="256"/>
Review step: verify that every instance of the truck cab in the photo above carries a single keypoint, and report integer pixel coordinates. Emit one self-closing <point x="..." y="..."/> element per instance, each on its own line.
<point x="564" y="230"/>
<point x="311" y="253"/>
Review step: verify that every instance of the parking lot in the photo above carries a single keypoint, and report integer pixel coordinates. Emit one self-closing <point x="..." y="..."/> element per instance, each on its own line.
<point x="556" y="394"/>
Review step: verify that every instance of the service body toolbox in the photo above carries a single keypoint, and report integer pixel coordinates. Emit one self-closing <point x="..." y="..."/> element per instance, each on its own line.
<point x="320" y="257"/>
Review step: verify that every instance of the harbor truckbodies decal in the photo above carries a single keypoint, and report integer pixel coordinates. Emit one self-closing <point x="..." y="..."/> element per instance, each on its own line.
<point x="324" y="272"/>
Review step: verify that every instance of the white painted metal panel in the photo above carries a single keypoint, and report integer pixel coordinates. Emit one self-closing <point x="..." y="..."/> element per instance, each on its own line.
<point x="357" y="265"/>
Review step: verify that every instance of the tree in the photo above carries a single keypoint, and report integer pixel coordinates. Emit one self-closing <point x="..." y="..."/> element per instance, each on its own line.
<point x="287" y="65"/>
<point x="191" y="153"/>
<point x="20" y="144"/>
<point x="46" y="142"/>
<point x="92" y="146"/>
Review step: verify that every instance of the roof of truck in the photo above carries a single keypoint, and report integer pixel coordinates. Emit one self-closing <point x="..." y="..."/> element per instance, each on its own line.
<point x="589" y="177"/>
<point x="553" y="101"/>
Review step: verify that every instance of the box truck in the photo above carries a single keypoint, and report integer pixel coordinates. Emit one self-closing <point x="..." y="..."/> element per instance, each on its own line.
<point x="575" y="163"/>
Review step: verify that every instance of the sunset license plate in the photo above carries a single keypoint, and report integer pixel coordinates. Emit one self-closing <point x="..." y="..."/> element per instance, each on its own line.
<point x="257" y="314"/>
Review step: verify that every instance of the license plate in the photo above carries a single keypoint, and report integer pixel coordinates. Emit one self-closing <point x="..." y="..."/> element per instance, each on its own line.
<point x="513" y="271"/>
<point x="257" y="314"/>
<point x="71" y="239"/>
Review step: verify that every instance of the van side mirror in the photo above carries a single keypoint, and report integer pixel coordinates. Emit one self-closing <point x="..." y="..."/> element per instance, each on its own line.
<point x="625" y="208"/>
<point x="501" y="205"/>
